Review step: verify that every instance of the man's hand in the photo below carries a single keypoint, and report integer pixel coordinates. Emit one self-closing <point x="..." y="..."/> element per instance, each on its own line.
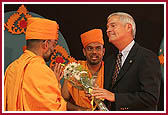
<point x="103" y="94"/>
<point x="87" y="94"/>
<point x="58" y="70"/>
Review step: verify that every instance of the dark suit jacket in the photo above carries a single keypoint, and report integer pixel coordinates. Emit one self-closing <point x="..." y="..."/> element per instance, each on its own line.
<point x="137" y="87"/>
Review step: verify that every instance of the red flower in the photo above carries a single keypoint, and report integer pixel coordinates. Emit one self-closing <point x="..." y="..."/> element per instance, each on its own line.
<point x="24" y="48"/>
<point x="23" y="24"/>
<point x="59" y="59"/>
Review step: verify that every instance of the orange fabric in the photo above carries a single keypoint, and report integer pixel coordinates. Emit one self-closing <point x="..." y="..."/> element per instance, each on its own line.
<point x="39" y="28"/>
<point x="30" y="85"/>
<point x="94" y="35"/>
<point x="78" y="95"/>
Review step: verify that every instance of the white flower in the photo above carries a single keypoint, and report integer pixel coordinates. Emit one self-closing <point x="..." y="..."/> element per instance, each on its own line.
<point x="73" y="65"/>
<point x="83" y="72"/>
<point x="77" y="77"/>
<point x="72" y="70"/>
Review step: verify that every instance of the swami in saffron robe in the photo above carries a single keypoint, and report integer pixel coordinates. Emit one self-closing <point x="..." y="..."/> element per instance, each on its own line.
<point x="30" y="85"/>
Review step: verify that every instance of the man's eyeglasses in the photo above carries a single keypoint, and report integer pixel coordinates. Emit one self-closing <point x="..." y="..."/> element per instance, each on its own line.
<point x="90" y="48"/>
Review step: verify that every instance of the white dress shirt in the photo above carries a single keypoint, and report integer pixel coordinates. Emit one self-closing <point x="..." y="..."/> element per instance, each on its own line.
<point x="126" y="51"/>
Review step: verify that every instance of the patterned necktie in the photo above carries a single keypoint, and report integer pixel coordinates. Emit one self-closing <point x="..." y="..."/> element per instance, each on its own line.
<point x="116" y="72"/>
<point x="117" y="68"/>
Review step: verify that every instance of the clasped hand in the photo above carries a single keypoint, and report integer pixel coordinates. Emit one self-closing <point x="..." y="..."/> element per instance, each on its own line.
<point x="58" y="70"/>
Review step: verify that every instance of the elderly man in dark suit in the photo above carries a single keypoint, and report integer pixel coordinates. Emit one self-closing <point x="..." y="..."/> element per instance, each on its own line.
<point x="133" y="76"/>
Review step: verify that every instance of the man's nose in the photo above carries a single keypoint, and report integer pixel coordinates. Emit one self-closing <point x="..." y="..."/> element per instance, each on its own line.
<point x="94" y="50"/>
<point x="108" y="29"/>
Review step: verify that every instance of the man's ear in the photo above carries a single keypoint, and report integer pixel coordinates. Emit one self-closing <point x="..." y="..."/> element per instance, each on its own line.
<point x="84" y="52"/>
<point x="129" y="27"/>
<point x="44" y="44"/>
<point x="104" y="51"/>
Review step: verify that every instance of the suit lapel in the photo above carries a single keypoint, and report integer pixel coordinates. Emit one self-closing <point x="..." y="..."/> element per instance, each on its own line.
<point x="109" y="68"/>
<point x="127" y="64"/>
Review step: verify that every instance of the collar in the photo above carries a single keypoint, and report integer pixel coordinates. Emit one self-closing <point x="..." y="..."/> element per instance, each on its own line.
<point x="127" y="49"/>
<point x="30" y="53"/>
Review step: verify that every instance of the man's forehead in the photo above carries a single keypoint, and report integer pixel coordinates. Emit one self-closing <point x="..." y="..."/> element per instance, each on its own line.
<point x="94" y="44"/>
<point x="112" y="22"/>
<point x="113" y="19"/>
<point x="54" y="40"/>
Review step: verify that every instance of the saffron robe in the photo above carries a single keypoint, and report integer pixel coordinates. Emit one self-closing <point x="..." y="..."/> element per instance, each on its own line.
<point x="79" y="95"/>
<point x="30" y="85"/>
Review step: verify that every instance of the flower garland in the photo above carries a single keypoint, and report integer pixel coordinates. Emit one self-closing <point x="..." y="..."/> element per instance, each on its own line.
<point x="59" y="59"/>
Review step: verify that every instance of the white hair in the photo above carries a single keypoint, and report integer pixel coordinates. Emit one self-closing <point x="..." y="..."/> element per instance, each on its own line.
<point x="125" y="18"/>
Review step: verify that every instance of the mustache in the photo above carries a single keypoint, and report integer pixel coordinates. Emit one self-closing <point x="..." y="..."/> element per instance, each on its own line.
<point x="93" y="55"/>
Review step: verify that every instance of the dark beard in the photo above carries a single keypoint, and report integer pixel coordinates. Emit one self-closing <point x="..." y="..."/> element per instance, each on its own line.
<point x="93" y="63"/>
<point x="47" y="59"/>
